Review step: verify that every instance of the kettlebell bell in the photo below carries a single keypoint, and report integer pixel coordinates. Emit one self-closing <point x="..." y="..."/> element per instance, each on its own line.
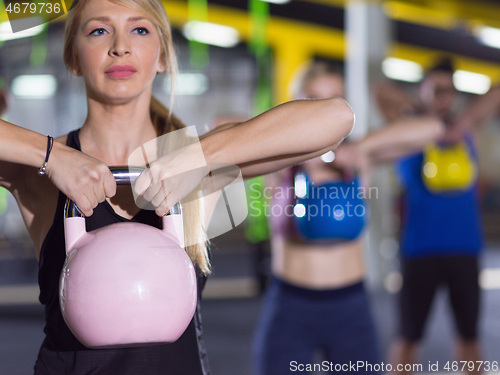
<point x="126" y="284"/>
<point x="330" y="212"/>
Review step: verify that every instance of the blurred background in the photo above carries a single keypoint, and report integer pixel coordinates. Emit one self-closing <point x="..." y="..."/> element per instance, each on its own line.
<point x="237" y="59"/>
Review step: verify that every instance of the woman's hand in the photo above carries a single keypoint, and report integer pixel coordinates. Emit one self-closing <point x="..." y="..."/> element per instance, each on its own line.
<point x="172" y="177"/>
<point x="83" y="179"/>
<point x="350" y="158"/>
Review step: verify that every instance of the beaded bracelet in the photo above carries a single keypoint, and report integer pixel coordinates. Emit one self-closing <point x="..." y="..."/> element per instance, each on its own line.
<point x="50" y="144"/>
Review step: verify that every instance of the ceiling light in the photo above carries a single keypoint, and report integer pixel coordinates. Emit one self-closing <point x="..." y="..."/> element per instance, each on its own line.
<point x="402" y="70"/>
<point x="211" y="33"/>
<point x="474" y="83"/>
<point x="277" y="1"/>
<point x="41" y="86"/>
<point x="7" y="34"/>
<point x="489" y="36"/>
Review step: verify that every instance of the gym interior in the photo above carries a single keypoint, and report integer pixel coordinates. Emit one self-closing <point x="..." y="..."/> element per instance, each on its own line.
<point x="244" y="63"/>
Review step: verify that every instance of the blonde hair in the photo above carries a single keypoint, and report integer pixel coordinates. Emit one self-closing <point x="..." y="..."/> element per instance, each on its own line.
<point x="164" y="121"/>
<point x="310" y="72"/>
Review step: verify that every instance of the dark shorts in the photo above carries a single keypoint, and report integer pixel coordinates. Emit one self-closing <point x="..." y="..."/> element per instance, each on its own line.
<point x="296" y="323"/>
<point x="422" y="277"/>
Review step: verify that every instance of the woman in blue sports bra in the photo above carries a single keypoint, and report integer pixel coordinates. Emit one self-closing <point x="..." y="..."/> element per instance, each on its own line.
<point x="316" y="300"/>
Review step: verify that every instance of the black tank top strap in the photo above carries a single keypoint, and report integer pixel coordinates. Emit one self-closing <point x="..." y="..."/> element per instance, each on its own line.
<point x="73" y="140"/>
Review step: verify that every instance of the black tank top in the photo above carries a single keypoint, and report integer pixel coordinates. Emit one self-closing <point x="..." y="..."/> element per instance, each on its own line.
<point x="61" y="353"/>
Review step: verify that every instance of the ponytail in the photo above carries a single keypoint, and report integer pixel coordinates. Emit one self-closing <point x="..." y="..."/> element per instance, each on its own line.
<point x="165" y="122"/>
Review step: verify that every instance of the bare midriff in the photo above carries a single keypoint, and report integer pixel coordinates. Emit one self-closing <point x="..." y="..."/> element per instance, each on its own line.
<point x="317" y="266"/>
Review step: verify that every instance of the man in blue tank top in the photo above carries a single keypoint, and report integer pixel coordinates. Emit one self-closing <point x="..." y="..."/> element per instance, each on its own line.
<point x="441" y="236"/>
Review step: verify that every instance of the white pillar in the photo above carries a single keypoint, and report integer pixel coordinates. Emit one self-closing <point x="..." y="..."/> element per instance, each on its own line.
<point x="368" y="33"/>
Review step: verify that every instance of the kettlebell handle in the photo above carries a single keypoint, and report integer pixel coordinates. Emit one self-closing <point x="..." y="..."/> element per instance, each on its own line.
<point x="123" y="175"/>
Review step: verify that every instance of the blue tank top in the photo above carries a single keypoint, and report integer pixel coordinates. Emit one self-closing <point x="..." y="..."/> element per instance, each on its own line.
<point x="438" y="223"/>
<point x="329" y="212"/>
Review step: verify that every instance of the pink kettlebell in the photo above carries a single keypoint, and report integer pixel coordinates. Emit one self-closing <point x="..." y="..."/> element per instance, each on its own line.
<point x="126" y="284"/>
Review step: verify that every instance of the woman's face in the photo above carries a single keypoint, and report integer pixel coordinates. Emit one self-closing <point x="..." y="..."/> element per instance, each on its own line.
<point x="324" y="86"/>
<point x="119" y="52"/>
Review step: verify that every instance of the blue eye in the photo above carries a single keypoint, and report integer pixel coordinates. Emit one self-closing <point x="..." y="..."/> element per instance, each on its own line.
<point x="99" y="31"/>
<point x="141" y="30"/>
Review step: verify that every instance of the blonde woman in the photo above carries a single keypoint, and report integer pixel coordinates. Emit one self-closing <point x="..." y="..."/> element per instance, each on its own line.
<point x="118" y="47"/>
<point x="316" y="301"/>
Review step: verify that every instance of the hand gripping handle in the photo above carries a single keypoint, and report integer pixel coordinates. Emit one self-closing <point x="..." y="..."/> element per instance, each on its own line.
<point x="74" y="223"/>
<point x="124" y="176"/>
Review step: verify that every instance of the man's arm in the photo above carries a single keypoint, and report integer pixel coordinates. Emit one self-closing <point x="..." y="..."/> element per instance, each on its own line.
<point x="397" y="139"/>
<point x="393" y="102"/>
<point x="482" y="109"/>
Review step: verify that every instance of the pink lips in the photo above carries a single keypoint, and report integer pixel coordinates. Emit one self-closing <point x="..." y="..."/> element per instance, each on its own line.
<point x="121" y="71"/>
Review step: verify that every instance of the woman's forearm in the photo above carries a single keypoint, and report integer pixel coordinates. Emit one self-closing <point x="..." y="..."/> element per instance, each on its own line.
<point x="288" y="134"/>
<point x="85" y="180"/>
<point x="21" y="146"/>
<point x="295" y="131"/>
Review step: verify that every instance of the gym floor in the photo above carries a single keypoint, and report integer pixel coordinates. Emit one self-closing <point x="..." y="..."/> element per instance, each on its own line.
<point x="229" y="322"/>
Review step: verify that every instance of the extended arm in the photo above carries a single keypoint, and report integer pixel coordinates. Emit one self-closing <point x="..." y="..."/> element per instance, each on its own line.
<point x="388" y="143"/>
<point x="283" y="136"/>
<point x="220" y="128"/>
<point x="401" y="137"/>
<point x="286" y="135"/>
<point x="393" y="102"/>
<point x="82" y="178"/>
<point x="482" y="109"/>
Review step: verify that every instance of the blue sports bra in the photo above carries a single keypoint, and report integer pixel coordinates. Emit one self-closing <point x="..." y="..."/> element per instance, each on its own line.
<point x="333" y="211"/>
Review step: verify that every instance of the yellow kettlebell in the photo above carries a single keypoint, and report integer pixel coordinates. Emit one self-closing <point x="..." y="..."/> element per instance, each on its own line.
<point x="448" y="168"/>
